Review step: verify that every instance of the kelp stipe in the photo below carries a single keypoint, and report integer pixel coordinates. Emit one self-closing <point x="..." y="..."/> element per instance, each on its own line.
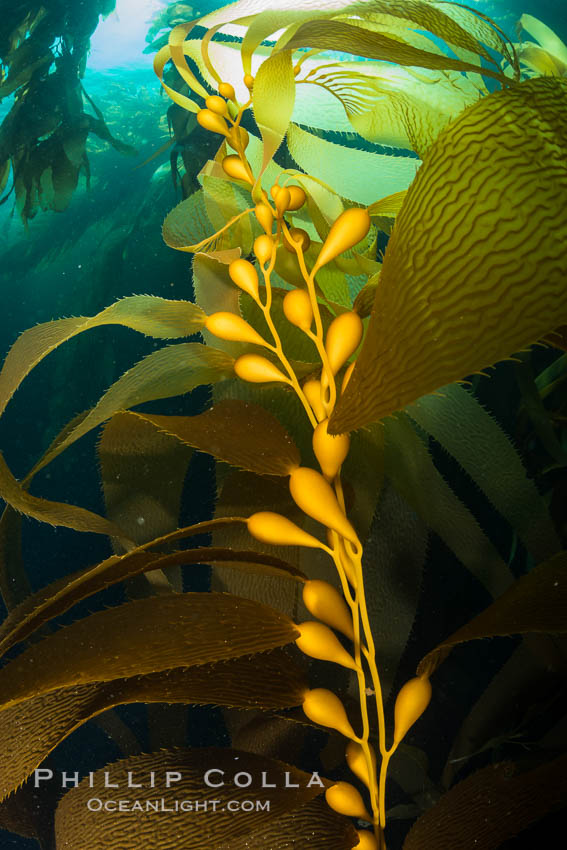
<point x="286" y="275"/>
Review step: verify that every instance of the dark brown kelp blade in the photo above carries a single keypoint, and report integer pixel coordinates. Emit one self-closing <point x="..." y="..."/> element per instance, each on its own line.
<point x="476" y="265"/>
<point x="149" y="635"/>
<point x="537" y="602"/>
<point x="194" y="830"/>
<point x="30" y="731"/>
<point x="29" y="812"/>
<point x="240" y="433"/>
<point x="491" y="806"/>
<point x="61" y="595"/>
<point x="314" y="826"/>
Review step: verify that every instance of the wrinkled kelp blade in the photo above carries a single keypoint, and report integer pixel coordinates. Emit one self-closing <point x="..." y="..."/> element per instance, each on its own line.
<point x="314" y="826"/>
<point x="30" y="731"/>
<point x="475" y="267"/>
<point x="537" y="602"/>
<point x="147" y="314"/>
<point x="490" y="807"/>
<point x="240" y="433"/>
<point x="146" y="636"/>
<point x="194" y="830"/>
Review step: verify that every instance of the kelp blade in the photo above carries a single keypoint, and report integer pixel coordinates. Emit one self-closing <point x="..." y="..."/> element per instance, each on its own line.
<point x="475" y="268"/>
<point x="28" y="733"/>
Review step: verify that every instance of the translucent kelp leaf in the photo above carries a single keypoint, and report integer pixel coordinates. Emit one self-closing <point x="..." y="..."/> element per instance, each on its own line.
<point x="179" y="230"/>
<point x="390" y="205"/>
<point x="468" y="432"/>
<point x="411" y="470"/>
<point x="273" y="96"/>
<point x="179" y="630"/>
<point x="194" y="830"/>
<point x="548" y="39"/>
<point x="484" y="224"/>
<point x="30" y="731"/>
<point x="240" y="433"/>
<point x="537" y="602"/>
<point x="540" y="61"/>
<point x="224" y="200"/>
<point x="314" y="826"/>
<point x="194" y="225"/>
<point x="338" y="35"/>
<point x="358" y="175"/>
<point x="481" y="27"/>
<point x="162" y="57"/>
<point x="400" y="117"/>
<point x="491" y="806"/>
<point x="60" y="596"/>
<point x="54" y="513"/>
<point x="171" y="371"/>
<point x="147" y="314"/>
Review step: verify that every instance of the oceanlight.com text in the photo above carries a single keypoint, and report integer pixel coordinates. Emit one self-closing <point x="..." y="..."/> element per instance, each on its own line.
<point x="96" y="804"/>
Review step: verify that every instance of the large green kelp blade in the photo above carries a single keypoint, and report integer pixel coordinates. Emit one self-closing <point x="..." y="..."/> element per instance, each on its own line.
<point x="475" y="268"/>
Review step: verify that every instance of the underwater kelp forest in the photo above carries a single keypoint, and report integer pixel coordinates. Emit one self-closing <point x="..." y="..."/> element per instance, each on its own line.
<point x="283" y="545"/>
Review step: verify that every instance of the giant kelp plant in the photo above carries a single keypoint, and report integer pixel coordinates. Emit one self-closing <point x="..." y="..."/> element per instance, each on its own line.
<point x="337" y="376"/>
<point x="43" y="139"/>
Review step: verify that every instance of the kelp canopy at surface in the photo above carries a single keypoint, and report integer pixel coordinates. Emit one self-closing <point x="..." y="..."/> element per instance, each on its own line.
<point x="43" y="54"/>
<point x="236" y="649"/>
